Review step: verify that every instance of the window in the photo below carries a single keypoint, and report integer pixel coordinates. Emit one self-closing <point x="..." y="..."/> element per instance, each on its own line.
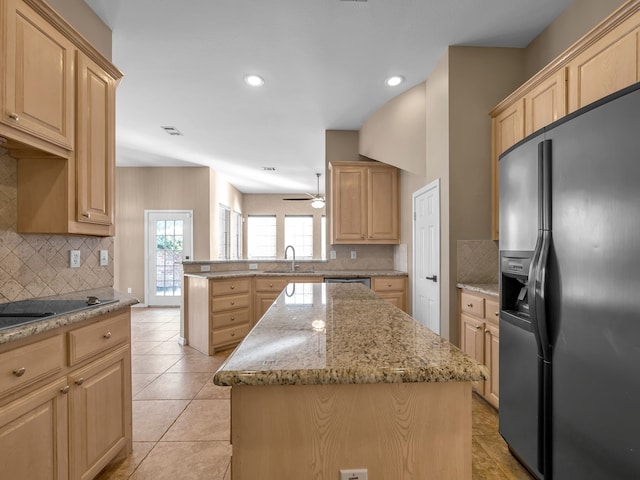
<point x="224" y="233"/>
<point x="236" y="236"/>
<point x="298" y="231"/>
<point x="261" y="236"/>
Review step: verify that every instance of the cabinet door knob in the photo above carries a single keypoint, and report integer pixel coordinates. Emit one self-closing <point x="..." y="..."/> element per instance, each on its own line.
<point x="233" y="318"/>
<point x="233" y="303"/>
<point x="80" y="381"/>
<point x="107" y="335"/>
<point x="65" y="389"/>
<point x="270" y="285"/>
<point x="478" y="327"/>
<point x="233" y="287"/>
<point x="14" y="116"/>
<point x="86" y="215"/>
<point x="233" y="334"/>
<point x="18" y="372"/>
<point x="497" y="314"/>
<point x="469" y="305"/>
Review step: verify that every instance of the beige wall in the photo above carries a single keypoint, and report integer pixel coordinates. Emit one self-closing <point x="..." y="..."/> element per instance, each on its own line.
<point x="395" y="133"/>
<point x="85" y="21"/>
<point x="578" y="18"/>
<point x="175" y="188"/>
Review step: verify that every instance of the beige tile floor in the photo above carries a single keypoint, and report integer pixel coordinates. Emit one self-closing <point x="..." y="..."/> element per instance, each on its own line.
<point x="181" y="419"/>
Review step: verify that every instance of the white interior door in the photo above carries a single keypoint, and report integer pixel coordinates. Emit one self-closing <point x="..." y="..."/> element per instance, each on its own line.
<point x="169" y="243"/>
<point x="426" y="257"/>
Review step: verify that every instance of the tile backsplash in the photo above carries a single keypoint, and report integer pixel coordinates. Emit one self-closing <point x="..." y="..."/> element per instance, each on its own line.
<point x="477" y="261"/>
<point x="38" y="265"/>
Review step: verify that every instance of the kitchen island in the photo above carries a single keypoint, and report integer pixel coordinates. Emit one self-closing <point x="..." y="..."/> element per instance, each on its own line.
<point x="333" y="377"/>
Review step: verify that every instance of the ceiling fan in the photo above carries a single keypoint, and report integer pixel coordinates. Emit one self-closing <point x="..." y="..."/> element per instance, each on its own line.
<point x="317" y="200"/>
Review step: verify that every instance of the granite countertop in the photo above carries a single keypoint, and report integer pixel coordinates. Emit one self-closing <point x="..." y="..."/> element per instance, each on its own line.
<point x="316" y="273"/>
<point x="486" y="288"/>
<point x="342" y="334"/>
<point x="50" y="323"/>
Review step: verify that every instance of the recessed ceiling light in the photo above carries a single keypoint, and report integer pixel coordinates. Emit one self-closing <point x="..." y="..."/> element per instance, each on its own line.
<point x="254" y="80"/>
<point x="269" y="169"/>
<point x="394" y="81"/>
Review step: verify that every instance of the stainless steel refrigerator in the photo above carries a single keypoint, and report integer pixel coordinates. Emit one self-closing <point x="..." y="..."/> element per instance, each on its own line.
<point x="570" y="294"/>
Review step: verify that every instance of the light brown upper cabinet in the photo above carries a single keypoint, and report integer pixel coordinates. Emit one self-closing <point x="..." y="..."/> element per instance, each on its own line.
<point x="608" y="65"/>
<point x="546" y="103"/>
<point x="508" y="129"/>
<point x="95" y="155"/>
<point x="364" y="203"/>
<point x="38" y="96"/>
<point x="59" y="123"/>
<point x="605" y="60"/>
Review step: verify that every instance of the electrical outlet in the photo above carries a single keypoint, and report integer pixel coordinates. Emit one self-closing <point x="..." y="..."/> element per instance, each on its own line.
<point x="253" y="266"/>
<point x="354" y="255"/>
<point x="104" y="258"/>
<point x="332" y="254"/>
<point x="128" y="289"/>
<point x="205" y="268"/>
<point x="353" y="474"/>
<point x="74" y="258"/>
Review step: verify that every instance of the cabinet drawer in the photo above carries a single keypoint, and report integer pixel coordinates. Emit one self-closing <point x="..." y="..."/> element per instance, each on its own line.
<point x="229" y="302"/>
<point x="87" y="341"/>
<point x="271" y="284"/>
<point x="229" y="335"/>
<point x="30" y="363"/>
<point x="226" y="319"/>
<point x="233" y="285"/>
<point x="388" y="284"/>
<point x="472" y="304"/>
<point x="492" y="311"/>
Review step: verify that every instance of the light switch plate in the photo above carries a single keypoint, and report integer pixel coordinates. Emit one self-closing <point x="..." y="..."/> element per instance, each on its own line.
<point x="354" y="254"/>
<point x="353" y="474"/>
<point x="205" y="268"/>
<point x="104" y="258"/>
<point x="332" y="254"/>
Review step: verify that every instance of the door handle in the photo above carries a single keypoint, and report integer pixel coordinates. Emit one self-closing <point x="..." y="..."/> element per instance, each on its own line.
<point x="434" y="278"/>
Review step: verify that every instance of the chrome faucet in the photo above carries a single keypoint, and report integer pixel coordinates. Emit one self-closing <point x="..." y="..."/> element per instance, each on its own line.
<point x="293" y="261"/>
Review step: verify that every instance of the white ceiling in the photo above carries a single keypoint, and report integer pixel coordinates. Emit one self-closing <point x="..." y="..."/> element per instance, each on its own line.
<point x="323" y="61"/>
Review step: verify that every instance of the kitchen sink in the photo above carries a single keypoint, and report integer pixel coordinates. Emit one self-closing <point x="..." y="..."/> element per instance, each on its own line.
<point x="14" y="314"/>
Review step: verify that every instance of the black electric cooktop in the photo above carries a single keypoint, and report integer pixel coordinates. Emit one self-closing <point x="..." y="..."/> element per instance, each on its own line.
<point x="14" y="314"/>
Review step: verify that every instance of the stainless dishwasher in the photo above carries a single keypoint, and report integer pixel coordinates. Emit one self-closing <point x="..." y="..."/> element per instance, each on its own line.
<point x="365" y="280"/>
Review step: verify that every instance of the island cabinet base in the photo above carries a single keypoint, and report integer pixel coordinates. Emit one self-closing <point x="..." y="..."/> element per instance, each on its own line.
<point x="410" y="431"/>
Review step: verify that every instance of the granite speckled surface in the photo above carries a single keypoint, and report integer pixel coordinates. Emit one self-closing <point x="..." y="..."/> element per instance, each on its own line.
<point x="342" y="334"/>
<point x="487" y="288"/>
<point x="299" y="273"/>
<point x="50" y="323"/>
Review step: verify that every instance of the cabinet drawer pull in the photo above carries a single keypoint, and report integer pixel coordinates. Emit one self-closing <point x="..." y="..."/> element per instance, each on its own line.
<point x="65" y="389"/>
<point x="232" y="303"/>
<point x="486" y="331"/>
<point x="86" y="215"/>
<point x="107" y="335"/>
<point x="389" y="285"/>
<point x="470" y="305"/>
<point x="14" y="116"/>
<point x="478" y="327"/>
<point x="232" y="318"/>
<point x="18" y="372"/>
<point x="233" y="334"/>
<point x="80" y="381"/>
<point x="233" y="287"/>
<point x="270" y="285"/>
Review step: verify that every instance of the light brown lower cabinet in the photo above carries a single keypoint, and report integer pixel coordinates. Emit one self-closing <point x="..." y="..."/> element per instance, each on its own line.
<point x="392" y="289"/>
<point x="267" y="289"/>
<point x="71" y="420"/>
<point x="480" y="338"/>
